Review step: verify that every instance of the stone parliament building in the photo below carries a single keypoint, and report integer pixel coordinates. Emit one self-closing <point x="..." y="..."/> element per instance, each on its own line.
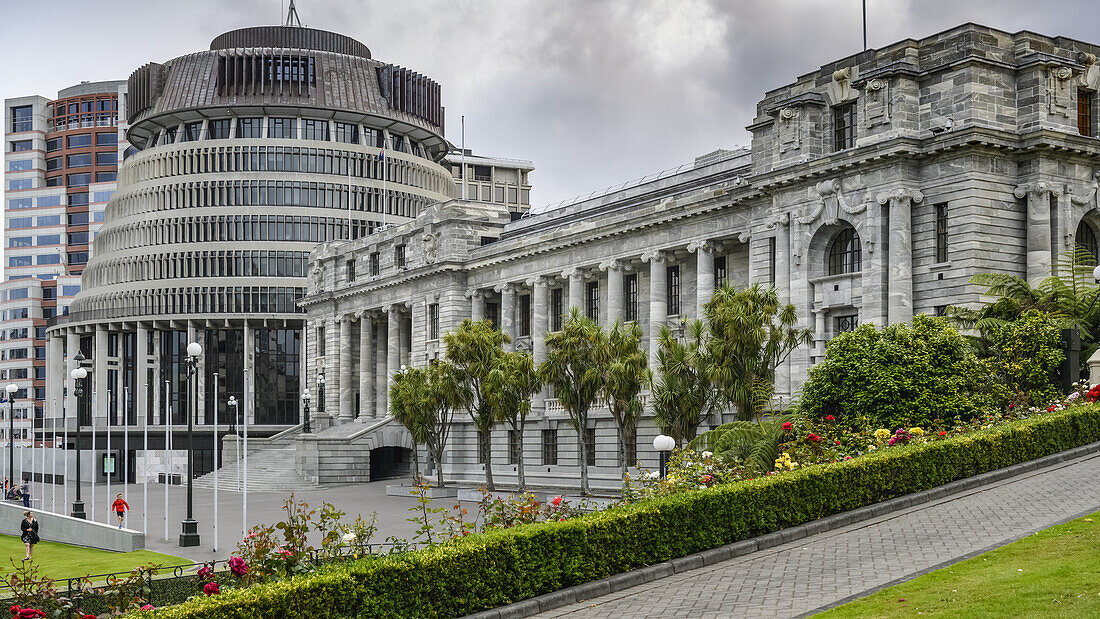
<point x="875" y="187"/>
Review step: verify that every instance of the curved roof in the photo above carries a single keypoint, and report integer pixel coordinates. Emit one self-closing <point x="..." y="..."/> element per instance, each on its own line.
<point x="290" y="37"/>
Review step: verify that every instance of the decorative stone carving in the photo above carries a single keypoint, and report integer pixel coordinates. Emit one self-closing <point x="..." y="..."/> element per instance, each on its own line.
<point x="1090" y="77"/>
<point x="744" y="237"/>
<point x="611" y="264"/>
<point x="789" y="129"/>
<point x="830" y="201"/>
<point x="431" y="247"/>
<point x="876" y="102"/>
<point x="653" y="255"/>
<point x="840" y="89"/>
<point x="1060" y="91"/>
<point x="901" y="196"/>
<point x="317" y="278"/>
<point x="1036" y="189"/>
<point x="572" y="272"/>
<point x="699" y="245"/>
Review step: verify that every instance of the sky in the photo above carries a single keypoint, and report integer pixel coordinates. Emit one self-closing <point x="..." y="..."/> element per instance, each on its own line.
<point x="594" y="92"/>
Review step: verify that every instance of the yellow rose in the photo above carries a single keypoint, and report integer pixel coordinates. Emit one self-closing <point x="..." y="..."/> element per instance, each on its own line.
<point x="916" y="431"/>
<point x="882" y="433"/>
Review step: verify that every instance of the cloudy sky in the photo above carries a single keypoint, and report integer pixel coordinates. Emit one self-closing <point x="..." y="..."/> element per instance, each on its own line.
<point x="594" y="92"/>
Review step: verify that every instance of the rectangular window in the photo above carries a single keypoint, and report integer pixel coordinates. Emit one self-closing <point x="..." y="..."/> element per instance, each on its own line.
<point x="70" y="291"/>
<point x="720" y="275"/>
<point x="19" y="165"/>
<point x="771" y="261"/>
<point x="630" y="297"/>
<point x="78" y="199"/>
<point x="21" y="145"/>
<point x="48" y="220"/>
<point x="78" y="257"/>
<point x="513" y="446"/>
<point x="844" y="126"/>
<point x="524" y="315"/>
<point x="375" y="267"/>
<point x="399" y="256"/>
<point x="78" y="180"/>
<point x="249" y="127"/>
<point x="48" y="201"/>
<point x="80" y="140"/>
<point x="217" y="129"/>
<point x="78" y="238"/>
<point x="482" y="446"/>
<point x="492" y="314"/>
<point x="106" y="158"/>
<point x="556" y="308"/>
<point x="53" y="164"/>
<point x="19" y="261"/>
<point x="1084" y="112"/>
<point x="18" y="203"/>
<point x="20" y="183"/>
<point x="80" y="161"/>
<point x="941" y="232"/>
<point x="592" y="300"/>
<point x="940" y="310"/>
<point x="20" y="241"/>
<point x="498" y="194"/>
<point x="54" y="144"/>
<point x="315" y="130"/>
<point x="20" y="222"/>
<point x="590" y="446"/>
<point x="106" y="139"/>
<point x="281" y="128"/>
<point x="191" y="131"/>
<point x="549" y="447"/>
<point x="49" y="259"/>
<point x="54" y="181"/>
<point x="347" y="133"/>
<point x="672" y="288"/>
<point x="47" y="239"/>
<point x="22" y="118"/>
<point x="433" y="321"/>
<point x="102" y="196"/>
<point x="845" y="323"/>
<point x="350" y="266"/>
<point x="106" y="177"/>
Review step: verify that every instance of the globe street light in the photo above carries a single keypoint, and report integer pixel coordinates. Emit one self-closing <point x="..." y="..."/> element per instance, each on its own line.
<point x="189" y="528"/>
<point x="305" y="405"/>
<point x="232" y="403"/>
<point x="79" y="373"/>
<point x="664" y="444"/>
<point x="320" y="391"/>
<point x="11" y="389"/>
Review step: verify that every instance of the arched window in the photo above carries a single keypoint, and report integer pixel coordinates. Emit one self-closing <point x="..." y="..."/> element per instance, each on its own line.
<point x="845" y="253"/>
<point x="1086" y="239"/>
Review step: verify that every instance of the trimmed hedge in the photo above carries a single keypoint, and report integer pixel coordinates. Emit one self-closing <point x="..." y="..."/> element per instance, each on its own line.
<point x="491" y="569"/>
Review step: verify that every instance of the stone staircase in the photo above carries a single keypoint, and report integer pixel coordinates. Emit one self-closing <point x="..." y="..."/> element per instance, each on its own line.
<point x="269" y="470"/>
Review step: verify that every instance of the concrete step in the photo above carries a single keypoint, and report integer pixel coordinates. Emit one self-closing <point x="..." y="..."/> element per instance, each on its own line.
<point x="269" y="470"/>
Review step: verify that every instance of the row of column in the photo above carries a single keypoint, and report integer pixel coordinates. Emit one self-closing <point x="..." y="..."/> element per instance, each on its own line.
<point x="379" y="359"/>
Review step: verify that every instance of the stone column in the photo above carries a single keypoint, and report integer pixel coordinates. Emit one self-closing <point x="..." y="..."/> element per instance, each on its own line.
<point x="141" y="375"/>
<point x="477" y="304"/>
<point x="72" y="343"/>
<point x="99" y="375"/>
<point x="704" y="274"/>
<point x="540" y="308"/>
<point x="900" y="305"/>
<point x="366" y="377"/>
<point x="55" y="366"/>
<point x="381" y="368"/>
<point x="343" y="362"/>
<point x="658" y="301"/>
<point x="249" y="404"/>
<point x="614" y="270"/>
<point x="508" y="314"/>
<point x="782" y="258"/>
<point x="819" y="333"/>
<point x="1039" y="252"/>
<point x="393" y="345"/>
<point x="575" y="279"/>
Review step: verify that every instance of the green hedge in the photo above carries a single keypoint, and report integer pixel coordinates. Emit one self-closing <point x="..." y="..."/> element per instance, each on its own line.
<point x="488" y="570"/>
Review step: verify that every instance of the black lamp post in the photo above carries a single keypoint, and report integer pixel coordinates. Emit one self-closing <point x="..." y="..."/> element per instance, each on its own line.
<point x="79" y="373"/>
<point x="305" y="406"/>
<point x="189" y="533"/>
<point x="11" y="389"/>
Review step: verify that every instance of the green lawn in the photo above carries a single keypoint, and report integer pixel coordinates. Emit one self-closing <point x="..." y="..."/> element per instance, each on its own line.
<point x="64" y="561"/>
<point x="1054" y="573"/>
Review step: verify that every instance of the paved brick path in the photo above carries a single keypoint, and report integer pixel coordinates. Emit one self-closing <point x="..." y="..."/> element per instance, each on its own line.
<point x="821" y="571"/>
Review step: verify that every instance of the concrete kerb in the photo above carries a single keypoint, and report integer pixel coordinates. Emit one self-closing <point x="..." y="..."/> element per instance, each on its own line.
<point x="626" y="580"/>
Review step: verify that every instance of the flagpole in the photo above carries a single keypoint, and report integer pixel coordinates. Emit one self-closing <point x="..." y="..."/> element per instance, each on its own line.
<point x="215" y="457"/>
<point x="244" y="482"/>
<point x="126" y="444"/>
<point x="110" y="456"/>
<point x="465" y="189"/>
<point x="167" y="454"/>
<point x="145" y="473"/>
<point x="53" y="461"/>
<point x="95" y="409"/>
<point x="864" y="25"/>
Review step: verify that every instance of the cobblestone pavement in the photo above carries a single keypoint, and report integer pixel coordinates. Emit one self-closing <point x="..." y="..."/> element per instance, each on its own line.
<point x="824" y="570"/>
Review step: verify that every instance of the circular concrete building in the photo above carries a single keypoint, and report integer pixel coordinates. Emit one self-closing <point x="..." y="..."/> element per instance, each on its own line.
<point x="244" y="157"/>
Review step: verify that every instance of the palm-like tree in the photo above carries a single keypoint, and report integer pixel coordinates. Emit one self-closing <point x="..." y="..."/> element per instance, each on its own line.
<point x="625" y="374"/>
<point x="474" y="350"/>
<point x="683" y="394"/>
<point x="424" y="401"/>
<point x="574" y="357"/>
<point x="509" y="387"/>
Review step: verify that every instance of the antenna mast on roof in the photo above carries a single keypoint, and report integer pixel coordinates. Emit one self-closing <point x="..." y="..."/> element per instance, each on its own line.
<point x="292" y="16"/>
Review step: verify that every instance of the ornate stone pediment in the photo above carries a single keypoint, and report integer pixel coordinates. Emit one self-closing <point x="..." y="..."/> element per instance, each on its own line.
<point x="830" y="201"/>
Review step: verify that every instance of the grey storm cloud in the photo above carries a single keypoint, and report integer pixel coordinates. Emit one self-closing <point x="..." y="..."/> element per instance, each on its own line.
<point x="594" y="92"/>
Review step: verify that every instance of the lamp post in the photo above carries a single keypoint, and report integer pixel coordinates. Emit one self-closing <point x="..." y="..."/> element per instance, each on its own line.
<point x="320" y="393"/>
<point x="305" y="407"/>
<point x="189" y="528"/>
<point x="232" y="403"/>
<point x="664" y="444"/>
<point x="79" y="373"/>
<point x="11" y="389"/>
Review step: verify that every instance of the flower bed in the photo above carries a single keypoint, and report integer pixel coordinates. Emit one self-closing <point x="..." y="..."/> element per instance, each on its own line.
<point x="486" y="570"/>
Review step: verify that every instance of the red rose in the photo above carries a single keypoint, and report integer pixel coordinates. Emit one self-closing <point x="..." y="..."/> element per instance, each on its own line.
<point x="943" y="433"/>
<point x="830" y="418"/>
<point x="706" y="479"/>
<point x="211" y="588"/>
<point x="813" y="437"/>
<point x="838" y="442"/>
<point x="787" y="425"/>
<point x="556" y="501"/>
<point x="15" y="609"/>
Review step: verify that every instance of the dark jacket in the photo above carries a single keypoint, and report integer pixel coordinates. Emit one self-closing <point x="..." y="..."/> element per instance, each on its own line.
<point x="30" y="531"/>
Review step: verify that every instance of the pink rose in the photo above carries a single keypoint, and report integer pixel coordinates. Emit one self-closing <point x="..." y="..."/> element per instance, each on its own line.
<point x="211" y="588"/>
<point x="148" y="607"/>
<point x="206" y="572"/>
<point x="238" y="566"/>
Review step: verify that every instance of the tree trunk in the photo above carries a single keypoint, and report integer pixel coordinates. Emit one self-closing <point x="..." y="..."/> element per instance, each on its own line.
<point x="582" y="449"/>
<point x="416" y="464"/>
<point x="484" y="441"/>
<point x="521" y="480"/>
<point x="438" y="467"/>
<point x="626" y="435"/>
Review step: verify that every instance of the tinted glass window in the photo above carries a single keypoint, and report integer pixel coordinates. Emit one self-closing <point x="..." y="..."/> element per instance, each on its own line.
<point x="217" y="129"/>
<point x="22" y="118"/>
<point x="106" y="139"/>
<point x="78" y="199"/>
<point x="54" y="144"/>
<point x="249" y="127"/>
<point x="21" y="145"/>
<point x="107" y="158"/>
<point x="78" y="180"/>
<point x="81" y="140"/>
<point x="80" y="161"/>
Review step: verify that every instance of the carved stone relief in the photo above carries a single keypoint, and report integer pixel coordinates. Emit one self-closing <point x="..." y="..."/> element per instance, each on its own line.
<point x="876" y="102"/>
<point x="790" y="129"/>
<point x="1059" y="91"/>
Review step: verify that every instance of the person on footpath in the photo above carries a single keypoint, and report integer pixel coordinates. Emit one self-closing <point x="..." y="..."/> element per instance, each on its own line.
<point x="25" y="491"/>
<point x="119" y="507"/>
<point x="29" y="527"/>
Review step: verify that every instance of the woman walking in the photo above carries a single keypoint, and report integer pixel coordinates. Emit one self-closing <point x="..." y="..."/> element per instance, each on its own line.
<point x="29" y="527"/>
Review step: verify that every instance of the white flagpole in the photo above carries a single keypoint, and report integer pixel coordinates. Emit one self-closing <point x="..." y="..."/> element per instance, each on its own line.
<point x="95" y="409"/>
<point x="244" y="483"/>
<point x="53" y="461"/>
<point x="465" y="189"/>
<point x="110" y="456"/>
<point x="126" y="445"/>
<point x="167" y="455"/>
<point x="145" y="474"/>
<point x="65" y="452"/>
<point x="215" y="461"/>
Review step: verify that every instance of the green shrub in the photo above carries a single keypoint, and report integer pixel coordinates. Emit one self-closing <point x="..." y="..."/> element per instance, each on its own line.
<point x="1025" y="356"/>
<point x="487" y="570"/>
<point x="902" y="375"/>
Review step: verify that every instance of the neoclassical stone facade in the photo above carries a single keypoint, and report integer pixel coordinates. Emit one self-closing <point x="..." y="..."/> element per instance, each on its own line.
<point x="874" y="189"/>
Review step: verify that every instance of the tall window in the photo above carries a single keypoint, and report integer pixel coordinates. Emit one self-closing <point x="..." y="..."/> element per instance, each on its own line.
<point x="433" y="321"/>
<point x="630" y="292"/>
<point x="399" y="256"/>
<point x="844" y="126"/>
<point x="771" y="261"/>
<point x="672" y="284"/>
<point x="351" y="270"/>
<point x="513" y="446"/>
<point x="315" y="130"/>
<point x="22" y="118"/>
<point x="1085" y="239"/>
<point x="720" y="274"/>
<point x="281" y="128"/>
<point x="549" y="447"/>
<point x="941" y="232"/>
<point x="556" y="309"/>
<point x="375" y="267"/>
<point x="249" y="127"/>
<point x="347" y="133"/>
<point x="845" y="253"/>
<point x="1084" y="112"/>
<point x="590" y="446"/>
<point x="492" y="313"/>
<point x="217" y="129"/>
<point x="524" y="315"/>
<point x="592" y="300"/>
